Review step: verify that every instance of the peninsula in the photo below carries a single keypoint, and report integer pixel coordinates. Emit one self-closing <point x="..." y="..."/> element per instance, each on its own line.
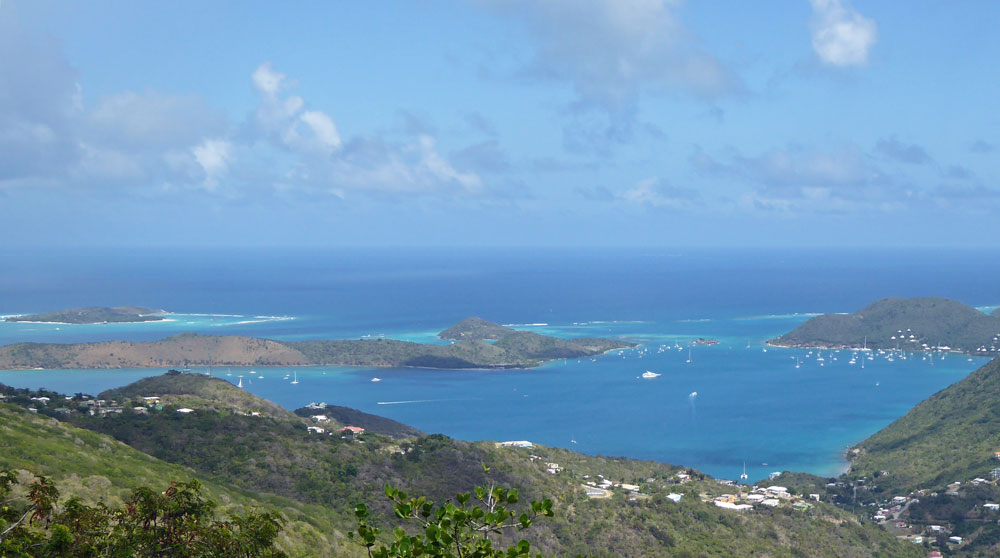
<point x="910" y="324"/>
<point x="93" y="315"/>
<point x="516" y="349"/>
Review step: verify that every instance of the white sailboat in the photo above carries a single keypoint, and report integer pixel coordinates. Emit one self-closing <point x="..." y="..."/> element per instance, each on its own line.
<point x="689" y="355"/>
<point x="296" y="380"/>
<point x="239" y="385"/>
<point x="744" y="476"/>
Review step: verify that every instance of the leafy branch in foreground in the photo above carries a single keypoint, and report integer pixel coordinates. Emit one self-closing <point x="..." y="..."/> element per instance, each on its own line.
<point x="465" y="529"/>
<point x="177" y="522"/>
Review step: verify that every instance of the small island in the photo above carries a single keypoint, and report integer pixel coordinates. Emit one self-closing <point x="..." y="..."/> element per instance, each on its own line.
<point x="910" y="324"/>
<point x="94" y="315"/>
<point x="516" y="349"/>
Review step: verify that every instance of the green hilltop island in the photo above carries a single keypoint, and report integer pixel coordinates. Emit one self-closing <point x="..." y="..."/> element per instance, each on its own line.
<point x="906" y="324"/>
<point x="94" y="315"/>
<point x="507" y="348"/>
<point x="190" y="465"/>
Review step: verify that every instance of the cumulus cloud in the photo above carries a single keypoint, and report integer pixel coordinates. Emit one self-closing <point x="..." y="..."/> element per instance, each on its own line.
<point x="158" y="144"/>
<point x="213" y="155"/>
<point x="286" y="120"/>
<point x="840" y="35"/>
<point x="610" y="50"/>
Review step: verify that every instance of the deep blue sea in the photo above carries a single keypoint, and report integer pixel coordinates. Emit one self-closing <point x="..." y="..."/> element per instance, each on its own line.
<point x="732" y="403"/>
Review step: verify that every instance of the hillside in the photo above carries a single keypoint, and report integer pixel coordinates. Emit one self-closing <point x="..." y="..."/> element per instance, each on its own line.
<point x="952" y="435"/>
<point x="514" y="350"/>
<point x="278" y="456"/>
<point x="196" y="391"/>
<point x="353" y="417"/>
<point x="93" y="315"/>
<point x="902" y="323"/>
<point x="97" y="468"/>
<point x="475" y="329"/>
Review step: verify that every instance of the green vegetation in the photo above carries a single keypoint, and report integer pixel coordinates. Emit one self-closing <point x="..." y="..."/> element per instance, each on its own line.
<point x="475" y="329"/>
<point x="98" y="469"/>
<point x="177" y="522"/>
<point x="197" y="392"/>
<point x="329" y="475"/>
<point x="94" y="315"/>
<point x="353" y="417"/>
<point x="514" y="350"/>
<point x="889" y="324"/>
<point x="462" y="530"/>
<point x="951" y="436"/>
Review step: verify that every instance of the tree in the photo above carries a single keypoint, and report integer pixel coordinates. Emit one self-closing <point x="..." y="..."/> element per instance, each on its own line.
<point x="177" y="522"/>
<point x="465" y="528"/>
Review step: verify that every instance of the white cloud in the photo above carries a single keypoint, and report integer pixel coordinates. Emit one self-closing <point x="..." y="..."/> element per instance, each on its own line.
<point x="323" y="128"/>
<point x="652" y="192"/>
<point x="840" y="35"/>
<point x="286" y="120"/>
<point x="266" y="80"/>
<point x="214" y="156"/>
<point x="440" y="169"/>
<point x="612" y="49"/>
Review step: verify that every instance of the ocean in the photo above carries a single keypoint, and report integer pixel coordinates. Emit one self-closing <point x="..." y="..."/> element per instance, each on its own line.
<point x="735" y="403"/>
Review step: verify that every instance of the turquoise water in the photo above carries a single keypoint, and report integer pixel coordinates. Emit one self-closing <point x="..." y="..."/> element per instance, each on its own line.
<point x="735" y="402"/>
<point x="751" y="405"/>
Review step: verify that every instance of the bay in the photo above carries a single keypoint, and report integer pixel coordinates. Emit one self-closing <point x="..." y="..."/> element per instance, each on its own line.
<point x="751" y="405"/>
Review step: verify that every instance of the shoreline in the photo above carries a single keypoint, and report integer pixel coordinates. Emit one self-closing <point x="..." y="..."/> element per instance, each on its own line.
<point x="833" y="347"/>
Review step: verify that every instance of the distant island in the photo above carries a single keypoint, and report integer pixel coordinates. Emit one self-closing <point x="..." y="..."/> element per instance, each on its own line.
<point x="910" y="324"/>
<point x="515" y="349"/>
<point x="93" y="315"/>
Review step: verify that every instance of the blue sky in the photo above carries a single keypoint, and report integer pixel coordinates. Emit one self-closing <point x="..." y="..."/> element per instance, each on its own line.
<point x="490" y="122"/>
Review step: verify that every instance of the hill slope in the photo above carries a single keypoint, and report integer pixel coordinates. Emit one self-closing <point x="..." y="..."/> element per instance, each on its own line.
<point x="278" y="456"/>
<point x="950" y="436"/>
<point x="197" y="392"/>
<point x="890" y="322"/>
<point x="98" y="468"/>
